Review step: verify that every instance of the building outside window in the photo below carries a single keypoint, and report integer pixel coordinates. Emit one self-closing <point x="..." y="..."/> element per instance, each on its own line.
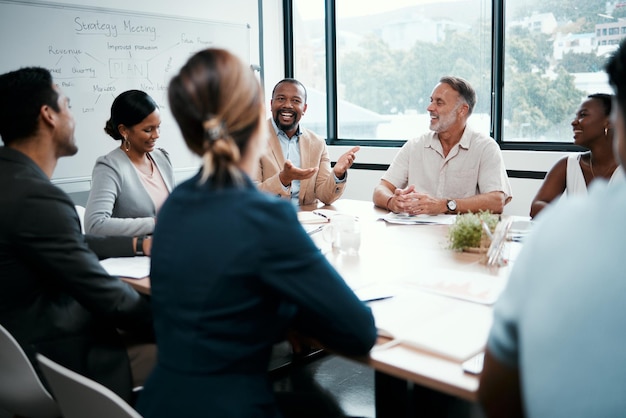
<point x="389" y="56"/>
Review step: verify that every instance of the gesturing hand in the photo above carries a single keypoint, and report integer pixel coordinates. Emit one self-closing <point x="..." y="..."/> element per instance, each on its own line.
<point x="291" y="172"/>
<point x="345" y="162"/>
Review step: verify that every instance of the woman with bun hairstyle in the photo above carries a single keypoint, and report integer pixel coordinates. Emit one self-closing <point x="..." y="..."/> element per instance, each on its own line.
<point x="232" y="268"/>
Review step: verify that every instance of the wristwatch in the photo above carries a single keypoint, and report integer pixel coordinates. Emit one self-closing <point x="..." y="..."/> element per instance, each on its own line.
<point x="451" y="205"/>
<point x="139" y="246"/>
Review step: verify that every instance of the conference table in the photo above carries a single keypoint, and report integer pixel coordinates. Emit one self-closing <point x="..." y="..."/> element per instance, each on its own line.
<point x="436" y="301"/>
<point x="431" y="285"/>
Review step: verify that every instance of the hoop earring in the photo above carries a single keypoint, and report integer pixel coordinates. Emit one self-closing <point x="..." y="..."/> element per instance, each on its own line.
<point x="606" y="131"/>
<point x="126" y="145"/>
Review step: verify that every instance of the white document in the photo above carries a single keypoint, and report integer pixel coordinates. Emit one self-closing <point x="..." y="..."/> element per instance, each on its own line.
<point x="312" y="218"/>
<point x="404" y="219"/>
<point x="375" y="292"/>
<point x="519" y="230"/>
<point x="476" y="287"/>
<point x="451" y="328"/>
<point x="128" y="267"/>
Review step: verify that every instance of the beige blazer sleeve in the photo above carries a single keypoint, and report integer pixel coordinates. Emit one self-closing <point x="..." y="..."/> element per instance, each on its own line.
<point x="313" y="153"/>
<point x="270" y="165"/>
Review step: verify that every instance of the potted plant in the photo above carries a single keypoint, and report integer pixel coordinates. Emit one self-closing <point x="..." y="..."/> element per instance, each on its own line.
<point x="468" y="234"/>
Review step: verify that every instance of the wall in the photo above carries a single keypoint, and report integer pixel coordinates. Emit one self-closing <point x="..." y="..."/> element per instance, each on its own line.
<point x="95" y="54"/>
<point x="70" y="173"/>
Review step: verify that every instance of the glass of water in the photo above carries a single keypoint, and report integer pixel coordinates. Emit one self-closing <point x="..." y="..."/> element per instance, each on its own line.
<point x="346" y="233"/>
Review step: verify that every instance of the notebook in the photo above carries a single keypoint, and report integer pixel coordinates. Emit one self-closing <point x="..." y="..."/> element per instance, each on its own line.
<point x="312" y="218"/>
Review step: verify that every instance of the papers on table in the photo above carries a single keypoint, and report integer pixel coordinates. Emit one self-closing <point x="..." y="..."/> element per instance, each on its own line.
<point x="483" y="288"/>
<point x="128" y="267"/>
<point x="404" y="219"/>
<point x="444" y="326"/>
<point x="375" y="292"/>
<point x="314" y="221"/>
<point x="312" y="218"/>
<point x="519" y="230"/>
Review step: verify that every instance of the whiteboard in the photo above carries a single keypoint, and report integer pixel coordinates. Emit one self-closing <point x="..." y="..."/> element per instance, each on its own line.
<point x="95" y="54"/>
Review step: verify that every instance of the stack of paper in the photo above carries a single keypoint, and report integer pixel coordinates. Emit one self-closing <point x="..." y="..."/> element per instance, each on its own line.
<point x="375" y="292"/>
<point x="447" y="327"/>
<point x="484" y="288"/>
<point x="127" y="267"/>
<point x="519" y="230"/>
<point x="405" y="219"/>
<point x="312" y="218"/>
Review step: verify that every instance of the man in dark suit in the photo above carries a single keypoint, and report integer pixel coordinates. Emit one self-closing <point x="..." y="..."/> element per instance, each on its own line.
<point x="55" y="298"/>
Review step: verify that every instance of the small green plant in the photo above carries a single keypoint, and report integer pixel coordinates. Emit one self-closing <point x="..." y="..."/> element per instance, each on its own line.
<point x="467" y="230"/>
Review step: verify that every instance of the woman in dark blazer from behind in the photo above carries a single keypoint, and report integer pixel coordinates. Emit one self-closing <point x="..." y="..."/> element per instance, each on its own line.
<point x="232" y="269"/>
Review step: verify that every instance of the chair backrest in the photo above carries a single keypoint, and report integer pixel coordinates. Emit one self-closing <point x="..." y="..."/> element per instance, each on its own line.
<point x="21" y="391"/>
<point x="80" y="397"/>
<point x="81" y="215"/>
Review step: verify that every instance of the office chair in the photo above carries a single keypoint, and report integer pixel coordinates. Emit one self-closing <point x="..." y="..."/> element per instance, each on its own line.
<point x="21" y="391"/>
<point x="81" y="215"/>
<point x="80" y="397"/>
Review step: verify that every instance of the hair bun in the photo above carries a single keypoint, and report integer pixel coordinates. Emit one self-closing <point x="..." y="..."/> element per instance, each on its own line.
<point x="214" y="129"/>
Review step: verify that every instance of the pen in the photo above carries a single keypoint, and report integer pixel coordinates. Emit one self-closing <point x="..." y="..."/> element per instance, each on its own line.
<point x="318" y="229"/>
<point x="377" y="298"/>
<point x="320" y="214"/>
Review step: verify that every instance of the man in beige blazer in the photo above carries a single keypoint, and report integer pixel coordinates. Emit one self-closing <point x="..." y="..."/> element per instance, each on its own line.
<point x="296" y="164"/>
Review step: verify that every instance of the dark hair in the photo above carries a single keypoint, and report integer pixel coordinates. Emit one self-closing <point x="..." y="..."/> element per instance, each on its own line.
<point x="464" y="88"/>
<point x="128" y="109"/>
<point x="616" y="70"/>
<point x="605" y="99"/>
<point x="290" y="81"/>
<point x="218" y="105"/>
<point x="22" y="94"/>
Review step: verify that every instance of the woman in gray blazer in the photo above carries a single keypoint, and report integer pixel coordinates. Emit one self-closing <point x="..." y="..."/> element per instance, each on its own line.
<point x="130" y="183"/>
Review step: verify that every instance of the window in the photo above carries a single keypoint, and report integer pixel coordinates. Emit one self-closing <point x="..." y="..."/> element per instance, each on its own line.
<point x="544" y="82"/>
<point x="388" y="55"/>
<point x="393" y="55"/>
<point x="310" y="61"/>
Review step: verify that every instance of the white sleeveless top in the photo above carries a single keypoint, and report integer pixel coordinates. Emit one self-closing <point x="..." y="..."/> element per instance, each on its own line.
<point x="575" y="180"/>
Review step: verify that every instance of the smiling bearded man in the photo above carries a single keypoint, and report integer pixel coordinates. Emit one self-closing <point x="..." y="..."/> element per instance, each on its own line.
<point x="296" y="164"/>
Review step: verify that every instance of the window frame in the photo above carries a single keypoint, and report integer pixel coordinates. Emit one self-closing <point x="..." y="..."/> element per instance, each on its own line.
<point x="497" y="82"/>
